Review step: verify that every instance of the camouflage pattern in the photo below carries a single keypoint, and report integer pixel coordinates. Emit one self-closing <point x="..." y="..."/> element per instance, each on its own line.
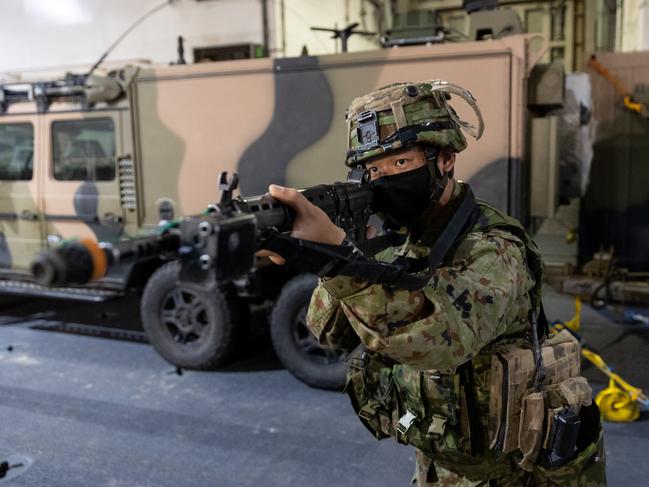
<point x="427" y="474"/>
<point x="587" y="470"/>
<point x="181" y="125"/>
<point x="412" y="382"/>
<point x="480" y="294"/>
<point x="399" y="105"/>
<point x="46" y="208"/>
<point x="20" y="238"/>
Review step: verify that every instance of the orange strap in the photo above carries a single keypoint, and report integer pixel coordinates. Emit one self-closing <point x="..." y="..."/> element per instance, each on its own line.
<point x="99" y="262"/>
<point x="608" y="76"/>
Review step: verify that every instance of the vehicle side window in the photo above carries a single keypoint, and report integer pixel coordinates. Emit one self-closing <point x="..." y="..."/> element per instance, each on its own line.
<point x="84" y="150"/>
<point x="16" y="151"/>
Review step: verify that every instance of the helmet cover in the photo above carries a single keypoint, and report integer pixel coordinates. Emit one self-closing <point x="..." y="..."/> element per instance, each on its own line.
<point x="399" y="115"/>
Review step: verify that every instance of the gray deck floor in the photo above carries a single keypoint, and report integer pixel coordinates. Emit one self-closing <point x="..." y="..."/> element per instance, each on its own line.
<point x="98" y="412"/>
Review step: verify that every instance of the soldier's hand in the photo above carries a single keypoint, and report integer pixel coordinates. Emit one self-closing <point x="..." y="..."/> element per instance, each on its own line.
<point x="311" y="223"/>
<point x="371" y="232"/>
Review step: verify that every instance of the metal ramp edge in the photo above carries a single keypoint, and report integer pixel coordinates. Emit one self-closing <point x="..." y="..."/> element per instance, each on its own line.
<point x="26" y="288"/>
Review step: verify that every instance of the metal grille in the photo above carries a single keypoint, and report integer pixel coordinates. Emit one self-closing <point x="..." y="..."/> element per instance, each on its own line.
<point x="127" y="194"/>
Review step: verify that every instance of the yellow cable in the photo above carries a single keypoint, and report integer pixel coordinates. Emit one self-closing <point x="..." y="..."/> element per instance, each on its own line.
<point x="575" y="322"/>
<point x="619" y="401"/>
<point x="634" y="106"/>
<point x="617" y="405"/>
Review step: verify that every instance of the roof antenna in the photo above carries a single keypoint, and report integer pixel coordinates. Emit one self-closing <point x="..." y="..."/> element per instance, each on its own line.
<point x="127" y="32"/>
<point x="181" y="50"/>
<point x="344" y="34"/>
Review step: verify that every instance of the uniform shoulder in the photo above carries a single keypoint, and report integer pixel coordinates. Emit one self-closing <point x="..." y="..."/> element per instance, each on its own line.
<point x="492" y="221"/>
<point x="490" y="216"/>
<point x="488" y="243"/>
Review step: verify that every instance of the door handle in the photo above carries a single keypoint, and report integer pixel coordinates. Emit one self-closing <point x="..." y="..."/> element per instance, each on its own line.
<point x="110" y="219"/>
<point x="28" y="215"/>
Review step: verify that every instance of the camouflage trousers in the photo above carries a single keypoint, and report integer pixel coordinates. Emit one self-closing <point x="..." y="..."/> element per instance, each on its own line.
<point x="588" y="471"/>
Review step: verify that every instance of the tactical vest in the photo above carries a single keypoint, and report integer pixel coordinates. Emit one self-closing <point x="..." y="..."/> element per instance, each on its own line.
<point x="447" y="416"/>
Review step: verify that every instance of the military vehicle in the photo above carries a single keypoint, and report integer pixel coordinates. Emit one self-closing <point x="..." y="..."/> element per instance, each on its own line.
<point x="114" y="155"/>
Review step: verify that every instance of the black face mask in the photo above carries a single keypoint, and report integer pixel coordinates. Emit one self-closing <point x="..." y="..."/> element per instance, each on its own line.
<point x="404" y="197"/>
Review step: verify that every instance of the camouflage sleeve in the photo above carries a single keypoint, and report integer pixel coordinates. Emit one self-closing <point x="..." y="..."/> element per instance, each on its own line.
<point x="328" y="323"/>
<point x="483" y="294"/>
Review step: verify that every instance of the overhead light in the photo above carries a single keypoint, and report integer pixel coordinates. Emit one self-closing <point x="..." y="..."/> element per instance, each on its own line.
<point x="65" y="12"/>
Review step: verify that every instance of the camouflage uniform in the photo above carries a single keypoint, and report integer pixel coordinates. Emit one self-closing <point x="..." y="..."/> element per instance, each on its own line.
<point x="479" y="296"/>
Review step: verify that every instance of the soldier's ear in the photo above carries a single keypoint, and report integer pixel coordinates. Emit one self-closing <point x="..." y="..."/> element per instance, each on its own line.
<point x="446" y="161"/>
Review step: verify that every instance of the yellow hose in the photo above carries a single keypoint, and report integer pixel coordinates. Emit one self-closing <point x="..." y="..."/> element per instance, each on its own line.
<point x="574" y="323"/>
<point x="617" y="405"/>
<point x="635" y="106"/>
<point x="620" y="401"/>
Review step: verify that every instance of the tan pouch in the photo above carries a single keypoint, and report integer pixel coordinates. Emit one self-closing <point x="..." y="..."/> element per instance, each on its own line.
<point x="574" y="391"/>
<point x="512" y="374"/>
<point x="531" y="433"/>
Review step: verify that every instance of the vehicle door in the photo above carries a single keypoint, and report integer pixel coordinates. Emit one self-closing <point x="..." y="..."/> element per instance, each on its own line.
<point x="20" y="220"/>
<point x="81" y="187"/>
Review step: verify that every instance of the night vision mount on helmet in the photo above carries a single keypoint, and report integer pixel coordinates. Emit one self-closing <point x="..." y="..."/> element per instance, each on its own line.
<point x="400" y="115"/>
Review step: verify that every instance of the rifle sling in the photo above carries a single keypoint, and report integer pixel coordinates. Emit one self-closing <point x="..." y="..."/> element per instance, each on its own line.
<point x="333" y="260"/>
<point x="377" y="244"/>
<point x="403" y="274"/>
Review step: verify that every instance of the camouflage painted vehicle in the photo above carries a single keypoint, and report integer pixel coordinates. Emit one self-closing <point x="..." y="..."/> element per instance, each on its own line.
<point x="108" y="157"/>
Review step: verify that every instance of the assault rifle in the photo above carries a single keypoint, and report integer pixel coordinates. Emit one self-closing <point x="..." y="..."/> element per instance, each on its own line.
<point x="219" y="245"/>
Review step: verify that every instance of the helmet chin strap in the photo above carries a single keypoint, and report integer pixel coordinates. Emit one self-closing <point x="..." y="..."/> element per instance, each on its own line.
<point x="439" y="178"/>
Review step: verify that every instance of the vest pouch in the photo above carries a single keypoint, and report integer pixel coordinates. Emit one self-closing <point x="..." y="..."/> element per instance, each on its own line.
<point x="572" y="392"/>
<point x="513" y="370"/>
<point x="433" y="399"/>
<point x="567" y="404"/>
<point x="447" y="404"/>
<point x="589" y="464"/>
<point x="411" y="411"/>
<point x="530" y="436"/>
<point x="370" y="388"/>
<point x="566" y="473"/>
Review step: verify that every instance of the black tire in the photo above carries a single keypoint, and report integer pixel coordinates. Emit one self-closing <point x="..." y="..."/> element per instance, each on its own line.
<point x="296" y="348"/>
<point x="189" y="327"/>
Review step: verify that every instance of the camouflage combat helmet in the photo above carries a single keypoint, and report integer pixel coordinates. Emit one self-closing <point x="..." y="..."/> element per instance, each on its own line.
<point x="399" y="115"/>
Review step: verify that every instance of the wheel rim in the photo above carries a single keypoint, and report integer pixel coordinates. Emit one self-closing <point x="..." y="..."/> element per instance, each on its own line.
<point x="184" y="316"/>
<point x="309" y="346"/>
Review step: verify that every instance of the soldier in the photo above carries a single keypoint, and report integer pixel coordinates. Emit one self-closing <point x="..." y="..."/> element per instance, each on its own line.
<point x="425" y="374"/>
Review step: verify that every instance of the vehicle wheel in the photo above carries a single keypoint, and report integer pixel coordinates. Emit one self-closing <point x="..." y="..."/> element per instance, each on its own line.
<point x="297" y="349"/>
<point x="188" y="326"/>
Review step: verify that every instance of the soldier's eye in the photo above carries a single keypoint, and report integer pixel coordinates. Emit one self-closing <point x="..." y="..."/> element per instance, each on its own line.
<point x="373" y="169"/>
<point x="400" y="162"/>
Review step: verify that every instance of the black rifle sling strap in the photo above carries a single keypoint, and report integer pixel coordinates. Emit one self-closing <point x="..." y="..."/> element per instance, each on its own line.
<point x="398" y="275"/>
<point x="334" y="260"/>
<point x="375" y="245"/>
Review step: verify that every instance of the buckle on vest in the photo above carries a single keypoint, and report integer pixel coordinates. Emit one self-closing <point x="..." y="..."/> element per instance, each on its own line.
<point x="437" y="426"/>
<point x="368" y="411"/>
<point x="405" y="422"/>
